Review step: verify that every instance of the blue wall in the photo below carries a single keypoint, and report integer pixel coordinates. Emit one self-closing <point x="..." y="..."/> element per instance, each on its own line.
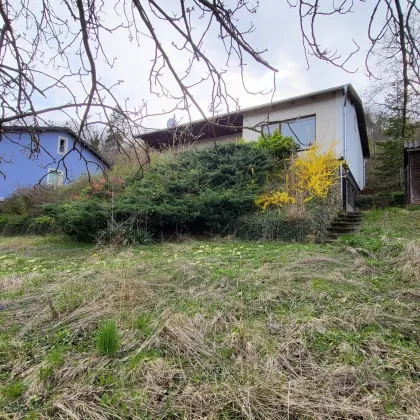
<point x="23" y="171"/>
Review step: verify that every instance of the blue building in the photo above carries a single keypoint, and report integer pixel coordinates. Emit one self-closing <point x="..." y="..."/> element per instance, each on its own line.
<point x="21" y="169"/>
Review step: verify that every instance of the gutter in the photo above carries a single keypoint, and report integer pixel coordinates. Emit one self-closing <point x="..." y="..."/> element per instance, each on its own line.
<point x="343" y="192"/>
<point x="346" y="87"/>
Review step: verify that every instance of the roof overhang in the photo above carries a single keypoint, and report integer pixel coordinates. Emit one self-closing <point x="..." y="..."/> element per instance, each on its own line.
<point x="361" y="120"/>
<point x="231" y="123"/>
<point x="224" y="125"/>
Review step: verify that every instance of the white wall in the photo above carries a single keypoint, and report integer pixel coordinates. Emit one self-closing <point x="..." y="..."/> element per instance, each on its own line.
<point x="329" y="113"/>
<point x="219" y="140"/>
<point x="324" y="107"/>
<point x="354" y="156"/>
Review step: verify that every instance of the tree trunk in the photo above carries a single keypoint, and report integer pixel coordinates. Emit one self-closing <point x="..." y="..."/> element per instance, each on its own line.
<point x="401" y="30"/>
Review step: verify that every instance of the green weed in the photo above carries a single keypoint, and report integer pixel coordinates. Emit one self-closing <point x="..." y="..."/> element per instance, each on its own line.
<point x="107" y="338"/>
<point x="14" y="389"/>
<point x="143" y="323"/>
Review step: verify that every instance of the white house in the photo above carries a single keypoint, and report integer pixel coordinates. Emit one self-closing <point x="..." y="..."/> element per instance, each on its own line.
<point x="330" y="116"/>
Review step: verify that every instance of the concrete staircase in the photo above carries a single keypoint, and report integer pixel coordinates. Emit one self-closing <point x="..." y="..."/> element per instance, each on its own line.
<point x="345" y="223"/>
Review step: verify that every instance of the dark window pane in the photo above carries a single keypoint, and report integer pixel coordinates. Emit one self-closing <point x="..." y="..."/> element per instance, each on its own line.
<point x="302" y="130"/>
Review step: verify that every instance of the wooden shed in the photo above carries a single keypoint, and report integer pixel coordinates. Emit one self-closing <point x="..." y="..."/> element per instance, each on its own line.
<point x="412" y="172"/>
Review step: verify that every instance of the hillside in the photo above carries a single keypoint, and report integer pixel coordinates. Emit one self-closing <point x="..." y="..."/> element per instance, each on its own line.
<point x="217" y="329"/>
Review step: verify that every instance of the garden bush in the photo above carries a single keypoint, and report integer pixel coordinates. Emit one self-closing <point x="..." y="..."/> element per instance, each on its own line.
<point x="81" y="220"/>
<point x="17" y="224"/>
<point x="272" y="225"/>
<point x="197" y="192"/>
<point x="279" y="147"/>
<point x="381" y="200"/>
<point x="124" y="233"/>
<point x="27" y="200"/>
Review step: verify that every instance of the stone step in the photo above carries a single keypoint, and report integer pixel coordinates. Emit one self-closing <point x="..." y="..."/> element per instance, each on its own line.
<point x="344" y="216"/>
<point x="353" y="214"/>
<point x="344" y="223"/>
<point x="343" y="231"/>
<point x="349" y="221"/>
<point x="341" y="223"/>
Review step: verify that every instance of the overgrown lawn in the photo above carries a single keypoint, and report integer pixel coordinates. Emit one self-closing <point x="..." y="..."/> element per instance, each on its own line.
<point x="216" y="329"/>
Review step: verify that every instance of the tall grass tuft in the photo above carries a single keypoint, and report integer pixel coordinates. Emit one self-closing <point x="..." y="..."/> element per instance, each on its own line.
<point x="107" y="338"/>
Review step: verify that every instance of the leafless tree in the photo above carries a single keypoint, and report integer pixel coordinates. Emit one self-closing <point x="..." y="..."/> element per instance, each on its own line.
<point x="53" y="49"/>
<point x="393" y="32"/>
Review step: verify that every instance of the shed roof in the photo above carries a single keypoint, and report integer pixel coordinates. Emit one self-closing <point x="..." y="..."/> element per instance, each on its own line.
<point x="411" y="145"/>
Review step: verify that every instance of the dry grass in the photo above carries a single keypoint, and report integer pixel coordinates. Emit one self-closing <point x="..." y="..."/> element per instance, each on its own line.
<point x="410" y="260"/>
<point x="217" y="330"/>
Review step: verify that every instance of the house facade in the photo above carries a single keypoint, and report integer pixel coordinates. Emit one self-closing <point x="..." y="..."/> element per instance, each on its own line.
<point x="331" y="118"/>
<point x="61" y="155"/>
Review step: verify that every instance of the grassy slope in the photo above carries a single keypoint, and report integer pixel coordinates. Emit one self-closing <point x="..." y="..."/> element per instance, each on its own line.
<point x="214" y="329"/>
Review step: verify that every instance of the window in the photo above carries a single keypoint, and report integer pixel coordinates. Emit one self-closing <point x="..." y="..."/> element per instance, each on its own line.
<point x="62" y="146"/>
<point x="301" y="129"/>
<point x="269" y="129"/>
<point x="55" y="177"/>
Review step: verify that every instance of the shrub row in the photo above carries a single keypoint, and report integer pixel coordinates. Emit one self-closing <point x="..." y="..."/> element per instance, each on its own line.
<point x="206" y="192"/>
<point x="372" y="201"/>
<point x="272" y="226"/>
<point x="197" y="192"/>
<point x="15" y="224"/>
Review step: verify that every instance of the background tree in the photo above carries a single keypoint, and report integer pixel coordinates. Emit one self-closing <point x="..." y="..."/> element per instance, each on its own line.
<point x="394" y="35"/>
<point x="50" y="50"/>
<point x="61" y="52"/>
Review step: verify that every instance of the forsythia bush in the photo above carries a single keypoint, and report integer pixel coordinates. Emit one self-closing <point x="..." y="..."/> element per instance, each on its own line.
<point x="311" y="175"/>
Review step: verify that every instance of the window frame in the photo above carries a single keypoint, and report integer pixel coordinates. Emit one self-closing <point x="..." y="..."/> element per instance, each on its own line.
<point x="290" y="120"/>
<point x="270" y="123"/>
<point x="65" y="145"/>
<point x="303" y="117"/>
<point x="60" y="174"/>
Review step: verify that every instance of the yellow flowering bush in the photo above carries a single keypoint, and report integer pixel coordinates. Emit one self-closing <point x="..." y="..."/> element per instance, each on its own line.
<point x="311" y="175"/>
<point x="274" y="198"/>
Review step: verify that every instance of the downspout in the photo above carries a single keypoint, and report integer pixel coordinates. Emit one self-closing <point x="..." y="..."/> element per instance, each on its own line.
<point x="346" y="87"/>
<point x="344" y="146"/>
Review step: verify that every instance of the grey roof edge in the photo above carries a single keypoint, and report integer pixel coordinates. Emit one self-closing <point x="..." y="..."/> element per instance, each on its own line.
<point x="261" y="106"/>
<point x="351" y="91"/>
<point x="413" y="144"/>
<point x="49" y="128"/>
<point x="361" y="120"/>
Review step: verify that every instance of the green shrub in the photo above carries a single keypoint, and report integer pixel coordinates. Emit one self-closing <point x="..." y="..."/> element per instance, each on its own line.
<point x="81" y="220"/>
<point x="272" y="225"/>
<point x="124" y="233"/>
<point x="398" y="198"/>
<point x="107" y="338"/>
<point x="27" y="200"/>
<point x="322" y="212"/>
<point x="280" y="147"/>
<point x="381" y="200"/>
<point x="42" y="225"/>
<point x="17" y="224"/>
<point x="198" y="192"/>
<point x="13" y="224"/>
